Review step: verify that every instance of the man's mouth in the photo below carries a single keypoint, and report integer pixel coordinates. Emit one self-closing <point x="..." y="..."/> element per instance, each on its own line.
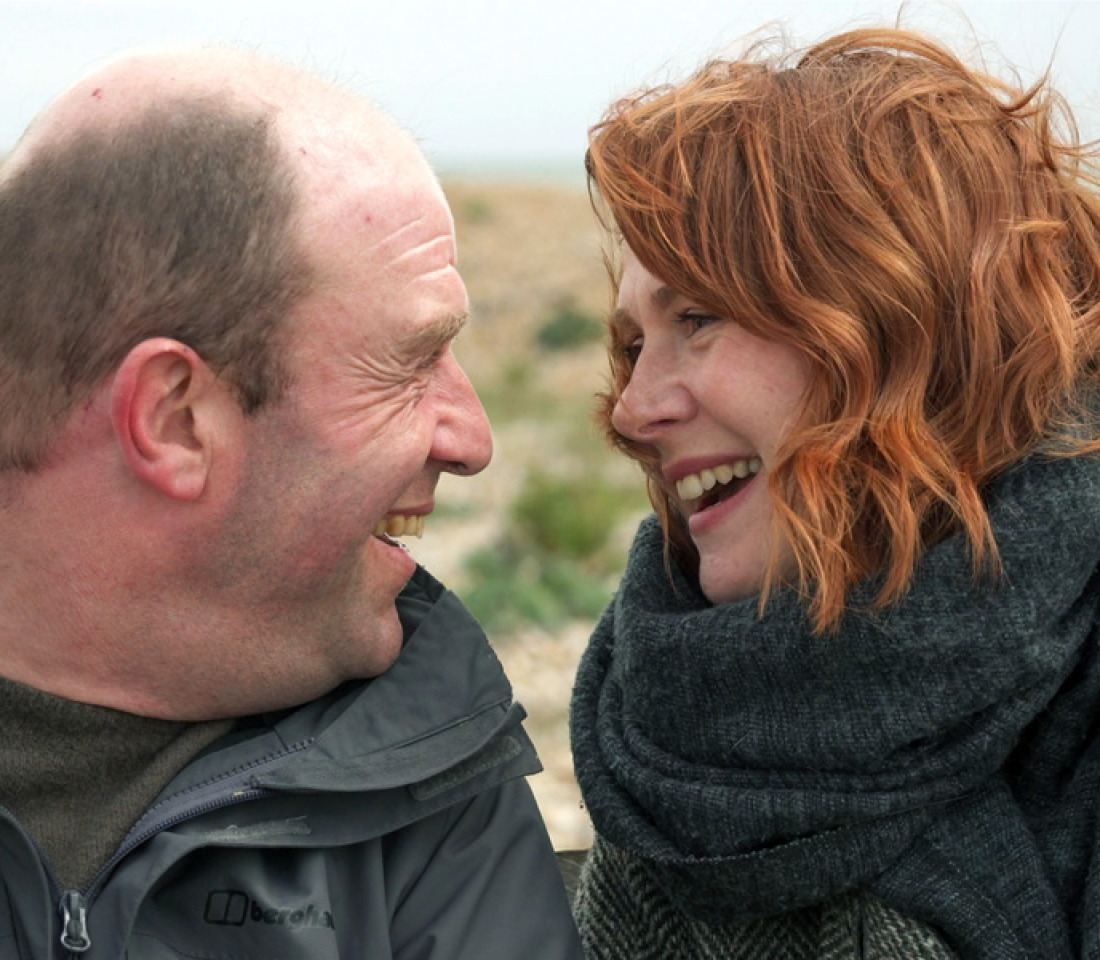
<point x="400" y="525"/>
<point x="715" y="484"/>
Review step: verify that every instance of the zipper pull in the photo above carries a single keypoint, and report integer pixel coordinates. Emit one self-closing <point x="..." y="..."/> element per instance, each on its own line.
<point x="74" y="922"/>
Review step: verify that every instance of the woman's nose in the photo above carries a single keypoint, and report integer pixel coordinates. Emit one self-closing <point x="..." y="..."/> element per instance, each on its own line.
<point x="653" y="399"/>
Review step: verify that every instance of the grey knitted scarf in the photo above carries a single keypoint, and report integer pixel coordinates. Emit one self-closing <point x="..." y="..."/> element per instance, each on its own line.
<point x="941" y="753"/>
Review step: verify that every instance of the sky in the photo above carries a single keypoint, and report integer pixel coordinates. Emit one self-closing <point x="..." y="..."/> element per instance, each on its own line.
<point x="513" y="83"/>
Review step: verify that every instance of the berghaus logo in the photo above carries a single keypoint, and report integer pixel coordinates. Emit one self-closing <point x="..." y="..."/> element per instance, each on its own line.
<point x="235" y="908"/>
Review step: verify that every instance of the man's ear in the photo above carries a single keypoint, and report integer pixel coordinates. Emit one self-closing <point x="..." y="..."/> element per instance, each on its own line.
<point x="166" y="408"/>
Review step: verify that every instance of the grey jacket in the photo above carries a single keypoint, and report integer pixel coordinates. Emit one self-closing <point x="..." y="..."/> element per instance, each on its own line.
<point x="388" y="819"/>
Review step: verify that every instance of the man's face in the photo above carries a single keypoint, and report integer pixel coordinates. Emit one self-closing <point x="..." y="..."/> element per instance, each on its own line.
<point x="378" y="408"/>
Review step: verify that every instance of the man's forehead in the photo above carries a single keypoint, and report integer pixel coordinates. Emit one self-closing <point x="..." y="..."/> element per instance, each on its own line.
<point x="387" y="220"/>
<point x="425" y="237"/>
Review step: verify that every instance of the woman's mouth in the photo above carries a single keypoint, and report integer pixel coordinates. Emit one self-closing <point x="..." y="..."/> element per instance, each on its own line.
<point x="699" y="491"/>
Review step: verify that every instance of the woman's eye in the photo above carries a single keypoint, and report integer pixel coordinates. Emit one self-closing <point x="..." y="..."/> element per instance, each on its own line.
<point x="696" y="321"/>
<point x="632" y="351"/>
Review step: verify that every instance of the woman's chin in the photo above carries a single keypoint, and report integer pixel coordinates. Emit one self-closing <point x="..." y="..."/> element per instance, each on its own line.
<point x="726" y="586"/>
<point x="727" y="579"/>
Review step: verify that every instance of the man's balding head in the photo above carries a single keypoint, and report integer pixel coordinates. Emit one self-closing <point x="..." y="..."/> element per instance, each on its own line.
<point x="162" y="196"/>
<point x="145" y="79"/>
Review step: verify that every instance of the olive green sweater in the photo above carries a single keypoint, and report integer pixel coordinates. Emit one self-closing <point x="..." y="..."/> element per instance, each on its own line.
<point x="78" y="776"/>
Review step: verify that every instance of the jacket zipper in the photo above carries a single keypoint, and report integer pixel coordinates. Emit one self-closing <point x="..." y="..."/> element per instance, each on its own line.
<point x="73" y="904"/>
<point x="74" y="922"/>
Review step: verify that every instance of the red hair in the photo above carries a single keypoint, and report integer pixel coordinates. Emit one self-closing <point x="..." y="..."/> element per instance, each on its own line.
<point x="927" y="236"/>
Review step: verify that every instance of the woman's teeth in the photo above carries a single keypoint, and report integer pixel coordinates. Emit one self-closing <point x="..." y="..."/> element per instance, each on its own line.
<point x="694" y="485"/>
<point x="400" y="526"/>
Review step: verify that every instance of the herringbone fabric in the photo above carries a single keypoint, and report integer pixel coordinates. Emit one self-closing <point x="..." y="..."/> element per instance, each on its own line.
<point x="624" y="914"/>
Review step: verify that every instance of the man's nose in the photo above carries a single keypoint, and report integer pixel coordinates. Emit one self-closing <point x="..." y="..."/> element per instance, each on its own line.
<point x="463" y="437"/>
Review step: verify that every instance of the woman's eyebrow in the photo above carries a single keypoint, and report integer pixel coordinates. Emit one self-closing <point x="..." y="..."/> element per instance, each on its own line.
<point x="622" y="321"/>
<point x="663" y="296"/>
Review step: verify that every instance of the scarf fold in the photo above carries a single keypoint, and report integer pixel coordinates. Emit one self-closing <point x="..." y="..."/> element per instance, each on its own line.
<point x="755" y="767"/>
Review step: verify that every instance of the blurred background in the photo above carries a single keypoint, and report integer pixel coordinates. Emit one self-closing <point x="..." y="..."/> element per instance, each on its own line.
<point x="504" y="85"/>
<point x="501" y="93"/>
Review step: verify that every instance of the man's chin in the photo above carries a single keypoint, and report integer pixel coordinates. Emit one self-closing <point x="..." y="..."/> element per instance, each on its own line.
<point x="381" y="647"/>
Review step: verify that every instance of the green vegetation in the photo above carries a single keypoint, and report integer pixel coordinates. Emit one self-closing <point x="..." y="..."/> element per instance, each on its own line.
<point x="512" y="396"/>
<point x="570" y="517"/>
<point x="568" y="326"/>
<point x="510" y="591"/>
<point x="549" y="541"/>
<point x="556" y="560"/>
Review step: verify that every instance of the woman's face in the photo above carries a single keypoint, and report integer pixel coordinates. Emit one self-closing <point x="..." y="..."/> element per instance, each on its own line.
<point x="714" y="402"/>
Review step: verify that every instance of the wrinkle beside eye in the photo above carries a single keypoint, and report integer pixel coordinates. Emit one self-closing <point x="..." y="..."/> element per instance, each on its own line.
<point x="384" y="369"/>
<point x="376" y="406"/>
<point x="370" y="385"/>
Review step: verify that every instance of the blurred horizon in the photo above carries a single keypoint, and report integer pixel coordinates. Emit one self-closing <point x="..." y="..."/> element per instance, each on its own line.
<point x="512" y="86"/>
<point x="553" y="170"/>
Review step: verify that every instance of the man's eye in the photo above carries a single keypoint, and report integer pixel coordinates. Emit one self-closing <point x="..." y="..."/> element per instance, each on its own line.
<point x="432" y="359"/>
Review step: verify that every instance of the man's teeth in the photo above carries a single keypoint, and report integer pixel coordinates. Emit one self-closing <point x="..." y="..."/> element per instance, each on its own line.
<point x="693" y="486"/>
<point x="400" y="526"/>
